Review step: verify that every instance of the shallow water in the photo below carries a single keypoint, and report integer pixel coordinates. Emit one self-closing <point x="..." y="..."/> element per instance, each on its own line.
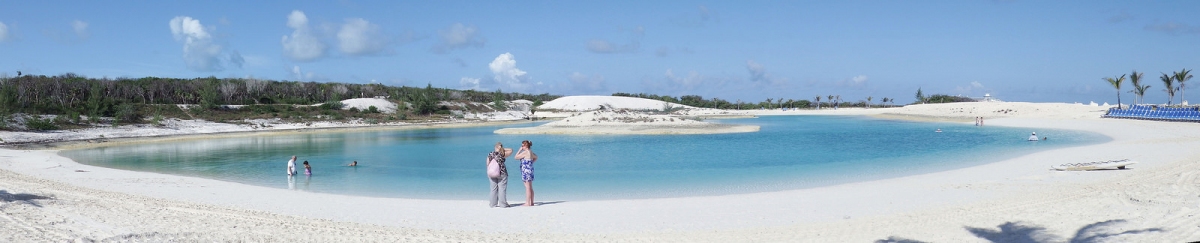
<point x="789" y="152"/>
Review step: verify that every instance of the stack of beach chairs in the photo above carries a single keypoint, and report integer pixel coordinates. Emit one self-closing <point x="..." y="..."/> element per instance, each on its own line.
<point x="1148" y="112"/>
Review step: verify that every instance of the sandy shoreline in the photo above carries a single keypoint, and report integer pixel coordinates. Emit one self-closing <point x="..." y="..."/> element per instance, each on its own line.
<point x="1156" y="199"/>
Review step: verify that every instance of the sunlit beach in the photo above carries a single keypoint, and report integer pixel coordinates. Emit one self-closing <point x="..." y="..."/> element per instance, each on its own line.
<point x="360" y="121"/>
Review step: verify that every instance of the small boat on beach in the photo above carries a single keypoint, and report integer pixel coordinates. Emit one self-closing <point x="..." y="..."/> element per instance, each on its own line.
<point x="1097" y="165"/>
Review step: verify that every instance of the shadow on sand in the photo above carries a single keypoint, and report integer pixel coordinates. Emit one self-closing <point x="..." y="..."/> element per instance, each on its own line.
<point x="5" y="196"/>
<point x="1019" y="232"/>
<point x="547" y="203"/>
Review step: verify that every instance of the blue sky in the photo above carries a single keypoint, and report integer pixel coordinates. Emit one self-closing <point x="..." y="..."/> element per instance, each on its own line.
<point x="750" y="50"/>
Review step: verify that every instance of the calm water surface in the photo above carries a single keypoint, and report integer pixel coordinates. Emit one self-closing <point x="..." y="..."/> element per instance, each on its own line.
<point x="790" y="152"/>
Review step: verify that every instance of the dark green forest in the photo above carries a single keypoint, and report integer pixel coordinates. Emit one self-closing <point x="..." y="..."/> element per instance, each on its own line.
<point x="78" y="101"/>
<point x="71" y="97"/>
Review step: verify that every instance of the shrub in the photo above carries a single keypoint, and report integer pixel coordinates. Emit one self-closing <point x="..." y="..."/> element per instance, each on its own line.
<point x="941" y="98"/>
<point x="72" y="116"/>
<point x="353" y="109"/>
<point x="332" y="105"/>
<point x="372" y="109"/>
<point x="157" y="120"/>
<point x="126" y="113"/>
<point x="40" y="124"/>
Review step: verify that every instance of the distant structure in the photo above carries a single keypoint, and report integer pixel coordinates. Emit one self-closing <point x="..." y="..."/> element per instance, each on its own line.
<point x="987" y="97"/>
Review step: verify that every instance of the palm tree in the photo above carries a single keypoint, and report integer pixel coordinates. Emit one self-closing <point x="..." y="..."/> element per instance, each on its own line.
<point x="818" y="102"/>
<point x="768" y="103"/>
<point x="869" y="101"/>
<point x="1168" y="80"/>
<point x="1135" y="79"/>
<point x="1140" y="91"/>
<point x="1180" y="77"/>
<point x="1116" y="83"/>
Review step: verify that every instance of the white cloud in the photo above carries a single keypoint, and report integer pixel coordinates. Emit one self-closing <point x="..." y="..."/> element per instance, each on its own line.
<point x="359" y="37"/>
<point x="504" y="67"/>
<point x="757" y="72"/>
<point x="759" y="76"/>
<point x="862" y="79"/>
<point x="303" y="45"/>
<point x="971" y="88"/>
<point x="297" y="74"/>
<point x="236" y="59"/>
<point x="199" y="51"/>
<point x="587" y="84"/>
<point x="3" y="31"/>
<point x="459" y="36"/>
<point x="81" y="29"/>
<point x="469" y="83"/>
<point x="859" y="81"/>
<point x="684" y="83"/>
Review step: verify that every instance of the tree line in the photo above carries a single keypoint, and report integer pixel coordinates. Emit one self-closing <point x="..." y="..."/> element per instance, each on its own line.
<point x="74" y="94"/>
<point x="1172" y="83"/>
<point x="769" y="103"/>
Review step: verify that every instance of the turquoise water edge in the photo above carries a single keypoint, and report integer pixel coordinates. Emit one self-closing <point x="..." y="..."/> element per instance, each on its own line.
<point x="790" y="152"/>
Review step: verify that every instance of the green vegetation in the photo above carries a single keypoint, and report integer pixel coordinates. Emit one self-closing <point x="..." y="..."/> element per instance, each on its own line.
<point x="1181" y="77"/>
<point x="941" y="98"/>
<point x="1172" y="83"/>
<point x="920" y="96"/>
<point x="498" y="101"/>
<point x="1135" y="78"/>
<point x="132" y="100"/>
<point x="1169" y="81"/>
<point x="770" y="103"/>
<point x="1116" y="83"/>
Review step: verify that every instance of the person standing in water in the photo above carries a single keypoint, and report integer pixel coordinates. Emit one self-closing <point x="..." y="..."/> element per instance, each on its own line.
<point x="527" y="158"/>
<point x="291" y="166"/>
<point x="1033" y="136"/>
<point x="307" y="168"/>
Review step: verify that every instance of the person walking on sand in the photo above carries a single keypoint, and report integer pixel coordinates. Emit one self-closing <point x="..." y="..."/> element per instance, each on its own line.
<point x="499" y="181"/>
<point x="527" y="158"/>
<point x="291" y="166"/>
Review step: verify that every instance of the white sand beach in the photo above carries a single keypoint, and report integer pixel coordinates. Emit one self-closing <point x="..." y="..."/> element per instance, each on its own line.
<point x="628" y="122"/>
<point x="46" y="197"/>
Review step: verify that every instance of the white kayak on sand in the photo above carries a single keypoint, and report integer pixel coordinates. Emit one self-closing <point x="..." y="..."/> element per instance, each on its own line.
<point x="1098" y="165"/>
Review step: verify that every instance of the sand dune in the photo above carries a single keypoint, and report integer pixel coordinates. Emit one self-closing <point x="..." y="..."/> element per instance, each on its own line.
<point x="628" y="122"/>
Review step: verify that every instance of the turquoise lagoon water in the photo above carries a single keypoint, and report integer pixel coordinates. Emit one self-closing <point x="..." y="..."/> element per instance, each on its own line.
<point x="789" y="152"/>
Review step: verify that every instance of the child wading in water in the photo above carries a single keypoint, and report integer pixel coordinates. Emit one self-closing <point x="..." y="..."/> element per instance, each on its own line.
<point x="307" y="168"/>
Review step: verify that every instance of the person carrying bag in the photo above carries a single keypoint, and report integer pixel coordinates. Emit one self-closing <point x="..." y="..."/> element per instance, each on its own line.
<point x="498" y="176"/>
